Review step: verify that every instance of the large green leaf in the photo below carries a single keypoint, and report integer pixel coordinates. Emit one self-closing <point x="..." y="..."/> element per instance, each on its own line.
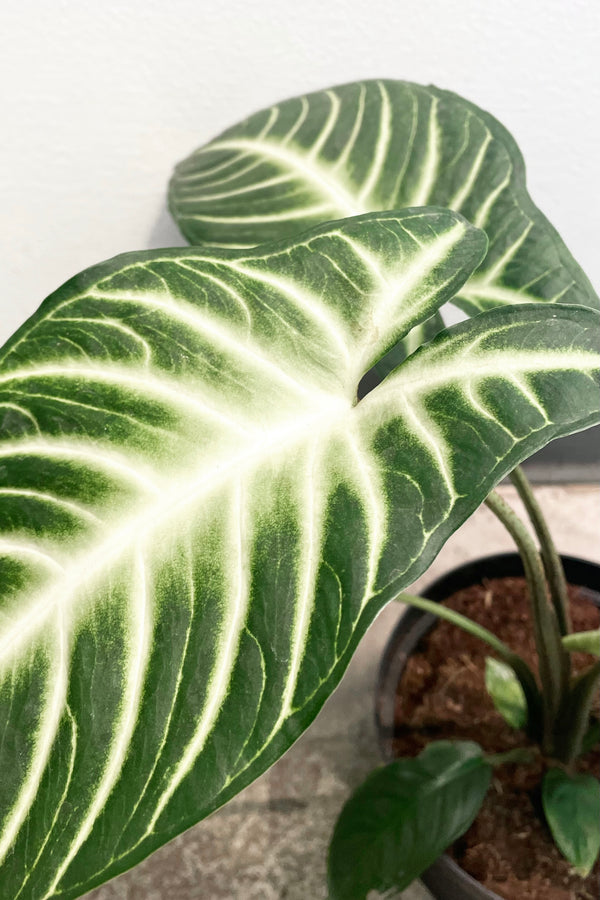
<point x="198" y="521"/>
<point x="379" y="145"/>
<point x="572" y="807"/>
<point x="403" y="816"/>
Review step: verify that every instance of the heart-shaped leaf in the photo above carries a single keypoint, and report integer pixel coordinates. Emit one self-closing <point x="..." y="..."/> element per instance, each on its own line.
<point x="374" y="145"/>
<point x="198" y="520"/>
<point x="404" y="816"/>
<point x="572" y="808"/>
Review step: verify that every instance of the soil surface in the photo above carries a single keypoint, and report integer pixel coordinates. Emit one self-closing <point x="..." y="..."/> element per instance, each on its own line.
<point x="442" y="695"/>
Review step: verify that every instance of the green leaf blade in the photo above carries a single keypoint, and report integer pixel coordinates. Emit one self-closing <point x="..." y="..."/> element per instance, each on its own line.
<point x="480" y="412"/>
<point x="212" y="522"/>
<point x="379" y="145"/>
<point x="572" y="808"/>
<point x="506" y="692"/>
<point x="404" y="816"/>
<point x="583" y="642"/>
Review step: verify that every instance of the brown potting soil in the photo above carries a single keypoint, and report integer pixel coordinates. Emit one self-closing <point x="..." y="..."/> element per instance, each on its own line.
<point x="442" y="695"/>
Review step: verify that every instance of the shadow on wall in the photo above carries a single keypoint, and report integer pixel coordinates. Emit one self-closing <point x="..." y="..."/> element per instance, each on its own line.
<point x="164" y="232"/>
<point x="572" y="459"/>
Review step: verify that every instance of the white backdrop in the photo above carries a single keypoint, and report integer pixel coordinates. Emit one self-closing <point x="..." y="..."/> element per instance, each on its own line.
<point x="100" y="99"/>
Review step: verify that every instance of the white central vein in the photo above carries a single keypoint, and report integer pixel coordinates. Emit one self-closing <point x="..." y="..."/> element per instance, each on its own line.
<point x="415" y="379"/>
<point x="173" y="506"/>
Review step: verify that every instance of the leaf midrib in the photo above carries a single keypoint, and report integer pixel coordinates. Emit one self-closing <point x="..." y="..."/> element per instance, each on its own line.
<point x="150" y="516"/>
<point x="416" y="381"/>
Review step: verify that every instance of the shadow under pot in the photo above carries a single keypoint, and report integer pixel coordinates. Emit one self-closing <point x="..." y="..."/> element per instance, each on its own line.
<point x="445" y="878"/>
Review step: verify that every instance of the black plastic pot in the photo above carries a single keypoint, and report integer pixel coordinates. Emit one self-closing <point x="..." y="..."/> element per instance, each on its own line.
<point x="445" y="879"/>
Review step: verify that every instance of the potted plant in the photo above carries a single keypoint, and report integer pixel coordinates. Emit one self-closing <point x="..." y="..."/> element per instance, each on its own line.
<point x="509" y="849"/>
<point x="405" y="814"/>
<point x="201" y="514"/>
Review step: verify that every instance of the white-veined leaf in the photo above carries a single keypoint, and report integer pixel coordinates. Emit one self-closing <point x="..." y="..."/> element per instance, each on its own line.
<point x="198" y="521"/>
<point x="374" y="145"/>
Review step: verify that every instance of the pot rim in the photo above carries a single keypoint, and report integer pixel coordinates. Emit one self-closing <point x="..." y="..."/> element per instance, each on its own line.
<point x="411" y="627"/>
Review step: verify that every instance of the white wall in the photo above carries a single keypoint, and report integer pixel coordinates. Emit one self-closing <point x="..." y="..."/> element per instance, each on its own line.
<point x="99" y="99"/>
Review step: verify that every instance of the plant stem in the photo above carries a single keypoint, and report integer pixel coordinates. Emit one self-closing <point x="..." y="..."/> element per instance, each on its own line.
<point x="519" y="666"/>
<point x="553" y="566"/>
<point x="517" y="755"/>
<point x="456" y="618"/>
<point x="577" y="713"/>
<point x="553" y="659"/>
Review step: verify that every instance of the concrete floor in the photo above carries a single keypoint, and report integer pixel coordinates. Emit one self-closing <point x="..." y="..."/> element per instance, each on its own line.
<point x="270" y="842"/>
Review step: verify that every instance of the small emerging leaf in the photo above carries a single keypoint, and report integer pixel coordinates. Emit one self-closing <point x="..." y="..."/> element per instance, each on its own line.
<point x="583" y="642"/>
<point x="572" y="808"/>
<point x="403" y="816"/>
<point x="503" y="687"/>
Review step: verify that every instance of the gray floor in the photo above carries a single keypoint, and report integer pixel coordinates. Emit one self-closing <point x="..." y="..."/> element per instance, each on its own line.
<point x="270" y="842"/>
